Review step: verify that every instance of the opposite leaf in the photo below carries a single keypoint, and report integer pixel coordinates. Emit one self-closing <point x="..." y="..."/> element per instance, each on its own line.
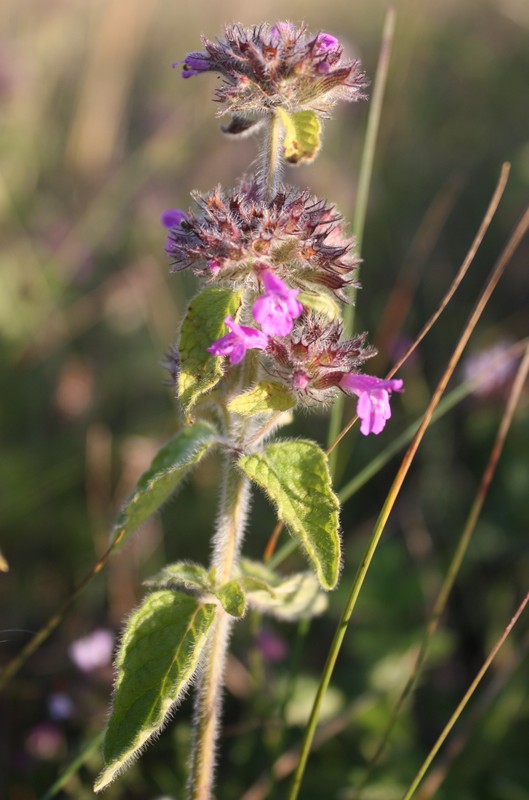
<point x="295" y="476"/>
<point x="266" y="396"/>
<point x="203" y="324"/>
<point x="302" y="136"/>
<point x="288" y="597"/>
<point x="157" y="659"/>
<point x="182" y="574"/>
<point x="169" y="466"/>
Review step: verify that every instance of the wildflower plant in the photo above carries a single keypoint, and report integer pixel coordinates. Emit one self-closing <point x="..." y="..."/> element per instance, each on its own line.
<point x="263" y="337"/>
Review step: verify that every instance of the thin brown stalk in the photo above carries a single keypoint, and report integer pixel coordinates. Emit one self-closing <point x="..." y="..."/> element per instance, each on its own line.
<point x="487" y="219"/>
<point x="457" y="560"/>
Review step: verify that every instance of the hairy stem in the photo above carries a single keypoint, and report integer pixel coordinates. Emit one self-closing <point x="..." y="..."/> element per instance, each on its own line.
<point x="226" y="547"/>
<point x="271" y="158"/>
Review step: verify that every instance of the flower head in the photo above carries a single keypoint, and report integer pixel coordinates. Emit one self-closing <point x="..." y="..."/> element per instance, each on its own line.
<point x="238" y="233"/>
<point x="264" y="67"/>
<point x="314" y="359"/>
<point x="373" y="399"/>
<point x="238" y="341"/>
<point x="277" y="309"/>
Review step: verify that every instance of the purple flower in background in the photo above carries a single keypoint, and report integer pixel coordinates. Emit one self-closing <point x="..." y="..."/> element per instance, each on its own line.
<point x="277" y="309"/>
<point x="373" y="399"/>
<point x="273" y="647"/>
<point x="60" y="706"/>
<point x="92" y="651"/>
<point x="238" y="341"/>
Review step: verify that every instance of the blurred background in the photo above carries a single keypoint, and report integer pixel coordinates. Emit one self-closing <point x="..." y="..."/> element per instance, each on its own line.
<point x="98" y="136"/>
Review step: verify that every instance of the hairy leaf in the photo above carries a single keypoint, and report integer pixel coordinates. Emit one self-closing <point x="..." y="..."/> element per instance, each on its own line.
<point x="288" y="597"/>
<point x="294" y="474"/>
<point x="232" y="598"/>
<point x="170" y="465"/>
<point x="203" y="324"/>
<point x="302" y="136"/>
<point x="157" y="659"/>
<point x="265" y="396"/>
<point x="182" y="574"/>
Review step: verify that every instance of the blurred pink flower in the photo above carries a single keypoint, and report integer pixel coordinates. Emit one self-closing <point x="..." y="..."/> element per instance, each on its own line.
<point x="46" y="741"/>
<point x="92" y="651"/>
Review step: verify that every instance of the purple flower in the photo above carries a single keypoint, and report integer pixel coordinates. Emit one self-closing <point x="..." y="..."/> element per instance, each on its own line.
<point x="172" y="217"/>
<point x="373" y="399"/>
<point x="325" y="42"/>
<point x="277" y="309"/>
<point x="194" y="64"/>
<point x="236" y="343"/>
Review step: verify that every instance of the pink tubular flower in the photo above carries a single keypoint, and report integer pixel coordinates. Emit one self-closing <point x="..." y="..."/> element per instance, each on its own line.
<point x="277" y="309"/>
<point x="238" y="341"/>
<point x="373" y="399"/>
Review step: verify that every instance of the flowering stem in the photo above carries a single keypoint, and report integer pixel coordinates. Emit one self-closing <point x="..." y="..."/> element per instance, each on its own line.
<point x="226" y="547"/>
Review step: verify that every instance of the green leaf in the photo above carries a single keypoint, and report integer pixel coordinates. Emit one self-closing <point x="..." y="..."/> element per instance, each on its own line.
<point x="287" y="597"/>
<point x="203" y="324"/>
<point x="157" y="659"/>
<point x="265" y="396"/>
<point x="232" y="598"/>
<point x="294" y="475"/>
<point x="182" y="574"/>
<point x="302" y="136"/>
<point x="171" y="463"/>
<point x="321" y="303"/>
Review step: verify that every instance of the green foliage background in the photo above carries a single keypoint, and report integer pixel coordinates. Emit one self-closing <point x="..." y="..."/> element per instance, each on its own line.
<point x="98" y="136"/>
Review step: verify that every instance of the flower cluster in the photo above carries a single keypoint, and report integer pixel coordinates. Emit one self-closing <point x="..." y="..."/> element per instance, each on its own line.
<point x="309" y="356"/>
<point x="264" y="67"/>
<point x="284" y="250"/>
<point x="236" y="234"/>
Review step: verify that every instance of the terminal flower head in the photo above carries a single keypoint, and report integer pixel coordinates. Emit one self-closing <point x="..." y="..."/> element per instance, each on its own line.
<point x="238" y="341"/>
<point x="264" y="67"/>
<point x="277" y="309"/>
<point x="373" y="394"/>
